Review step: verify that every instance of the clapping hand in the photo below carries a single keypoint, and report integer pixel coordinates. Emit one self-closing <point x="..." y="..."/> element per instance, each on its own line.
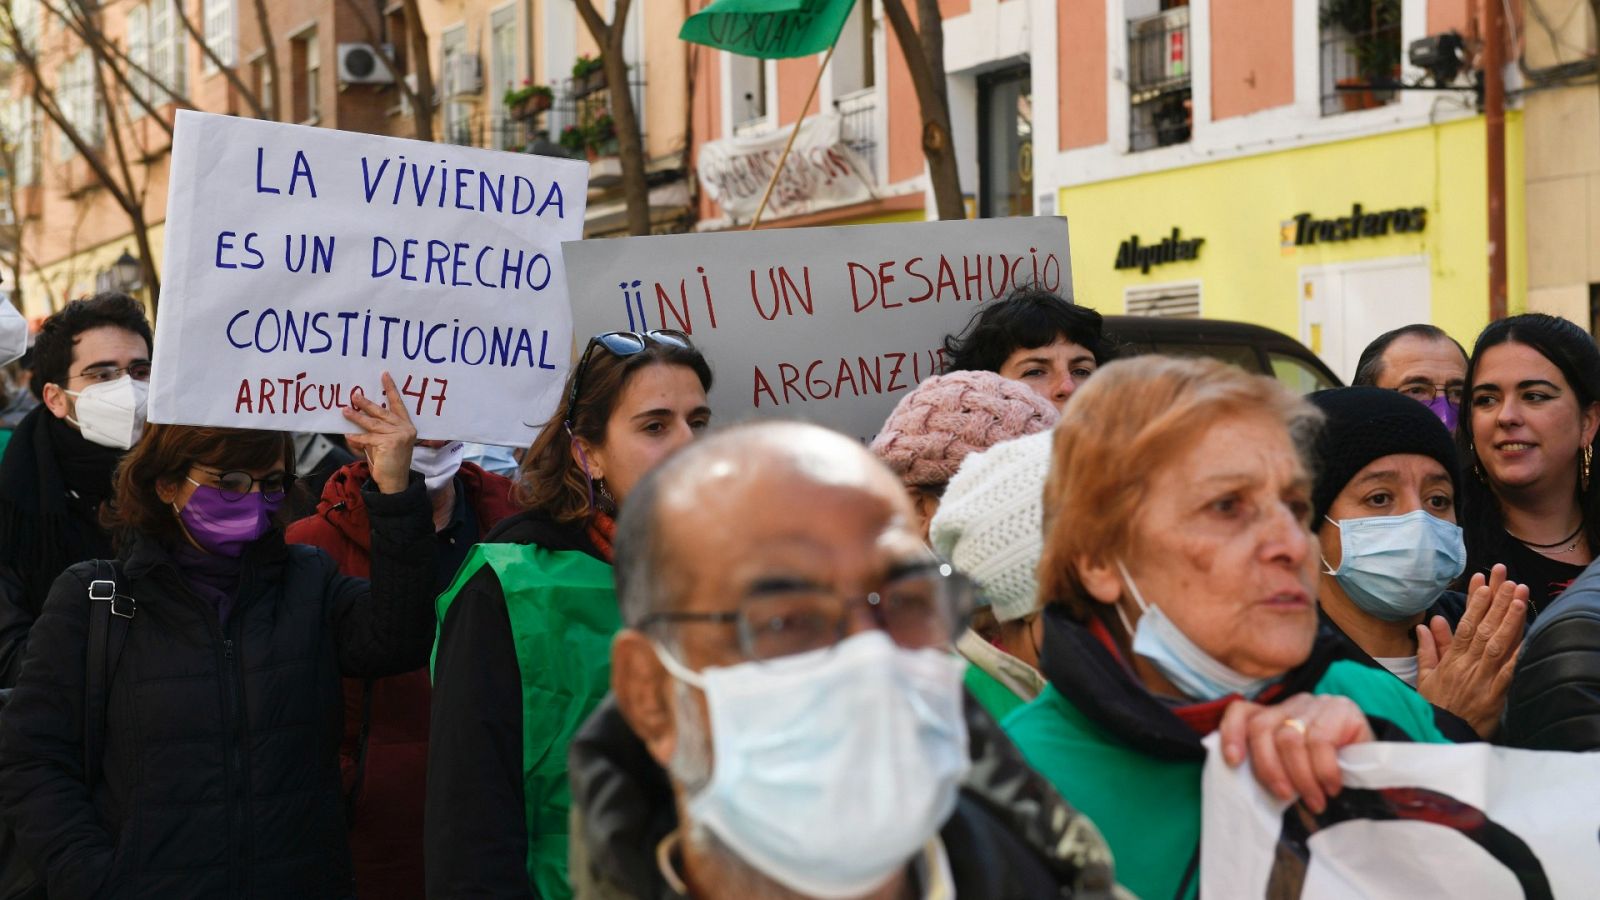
<point x="1468" y="673"/>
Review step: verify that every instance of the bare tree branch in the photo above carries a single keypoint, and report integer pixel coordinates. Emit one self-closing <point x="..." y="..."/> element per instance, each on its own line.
<point x="423" y="124"/>
<point x="924" y="56"/>
<point x="271" y="50"/>
<point x="81" y="23"/>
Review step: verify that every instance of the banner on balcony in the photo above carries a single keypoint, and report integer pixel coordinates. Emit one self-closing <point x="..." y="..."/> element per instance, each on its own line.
<point x="302" y="263"/>
<point x="769" y="29"/>
<point x="1413" y="820"/>
<point x="834" y="324"/>
<point x="822" y="171"/>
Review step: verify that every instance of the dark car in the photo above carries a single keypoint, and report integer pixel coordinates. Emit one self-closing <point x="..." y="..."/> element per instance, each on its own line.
<point x="1249" y="346"/>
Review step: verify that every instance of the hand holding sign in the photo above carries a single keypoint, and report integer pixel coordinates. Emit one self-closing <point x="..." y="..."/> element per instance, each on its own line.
<point x="1293" y="746"/>
<point x="387" y="437"/>
<point x="1470" y="673"/>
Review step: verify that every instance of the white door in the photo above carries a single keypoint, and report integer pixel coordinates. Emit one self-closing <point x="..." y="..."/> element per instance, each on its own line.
<point x="1344" y="307"/>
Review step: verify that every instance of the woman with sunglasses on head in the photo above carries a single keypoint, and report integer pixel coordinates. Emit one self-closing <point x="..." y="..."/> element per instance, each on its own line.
<point x="175" y="730"/>
<point x="525" y="630"/>
<point x="1527" y="439"/>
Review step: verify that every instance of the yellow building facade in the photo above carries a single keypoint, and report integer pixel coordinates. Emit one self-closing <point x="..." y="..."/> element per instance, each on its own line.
<point x="1332" y="243"/>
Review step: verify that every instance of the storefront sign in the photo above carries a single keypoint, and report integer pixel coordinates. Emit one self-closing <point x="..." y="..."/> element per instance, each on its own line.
<point x="821" y="171"/>
<point x="833" y="325"/>
<point x="301" y="263"/>
<point x="1133" y="255"/>
<point x="1304" y="229"/>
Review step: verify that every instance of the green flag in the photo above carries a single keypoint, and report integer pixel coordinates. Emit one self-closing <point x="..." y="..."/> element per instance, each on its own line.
<point x="769" y="29"/>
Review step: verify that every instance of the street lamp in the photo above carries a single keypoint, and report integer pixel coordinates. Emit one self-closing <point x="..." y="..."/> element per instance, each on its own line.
<point x="126" y="271"/>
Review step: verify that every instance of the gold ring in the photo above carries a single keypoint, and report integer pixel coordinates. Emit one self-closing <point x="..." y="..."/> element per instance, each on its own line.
<point x="1294" y="723"/>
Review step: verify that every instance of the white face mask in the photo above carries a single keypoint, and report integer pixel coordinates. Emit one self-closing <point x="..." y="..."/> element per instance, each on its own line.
<point x="1198" y="674"/>
<point x="437" y="465"/>
<point x="832" y="768"/>
<point x="13" y="334"/>
<point x="111" y="414"/>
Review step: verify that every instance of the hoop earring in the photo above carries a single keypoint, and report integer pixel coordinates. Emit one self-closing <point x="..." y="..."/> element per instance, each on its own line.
<point x="1583" y="472"/>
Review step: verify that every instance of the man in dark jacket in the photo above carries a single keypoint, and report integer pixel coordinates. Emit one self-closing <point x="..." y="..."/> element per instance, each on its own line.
<point x="1554" y="700"/>
<point x="384" y="755"/>
<point x="91" y="366"/>
<point x="791" y="619"/>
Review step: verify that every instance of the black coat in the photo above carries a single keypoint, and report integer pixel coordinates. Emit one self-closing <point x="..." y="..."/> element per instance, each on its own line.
<point x="220" y="773"/>
<point x="1554" y="700"/>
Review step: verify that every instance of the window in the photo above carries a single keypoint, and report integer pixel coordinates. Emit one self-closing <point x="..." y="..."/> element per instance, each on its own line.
<point x="854" y="67"/>
<point x="261" y="83"/>
<point x="1297" y="374"/>
<point x="1360" y="48"/>
<point x="75" y="94"/>
<point x="457" y="114"/>
<point x="21" y="136"/>
<point x="139" y="55"/>
<point x="219" y="31"/>
<point x="502" y="73"/>
<point x="154" y="46"/>
<point x="1160" y="106"/>
<point x="1005" y="144"/>
<point x="306" y="60"/>
<point x="747" y="82"/>
<point x="168" y="61"/>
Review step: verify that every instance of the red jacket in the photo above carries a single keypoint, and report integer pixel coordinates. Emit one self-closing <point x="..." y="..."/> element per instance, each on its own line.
<point x="386" y="833"/>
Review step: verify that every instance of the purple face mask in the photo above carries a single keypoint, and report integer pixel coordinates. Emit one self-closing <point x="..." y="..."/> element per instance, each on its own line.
<point x="222" y="524"/>
<point x="1448" y="413"/>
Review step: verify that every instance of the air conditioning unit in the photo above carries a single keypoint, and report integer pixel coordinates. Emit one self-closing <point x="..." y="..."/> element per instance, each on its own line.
<point x="359" y="64"/>
<point x="463" y="77"/>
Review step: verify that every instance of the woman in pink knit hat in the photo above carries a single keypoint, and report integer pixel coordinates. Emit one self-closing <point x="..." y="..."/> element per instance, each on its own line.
<point x="946" y="417"/>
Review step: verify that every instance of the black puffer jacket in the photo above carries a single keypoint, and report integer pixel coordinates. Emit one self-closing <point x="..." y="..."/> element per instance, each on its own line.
<point x="1011" y="836"/>
<point x="220" y="775"/>
<point x="1554" y="700"/>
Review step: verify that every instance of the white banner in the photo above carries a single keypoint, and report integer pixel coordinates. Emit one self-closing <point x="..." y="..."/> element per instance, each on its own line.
<point x="833" y="325"/>
<point x="301" y="263"/>
<point x="1414" y="821"/>
<point x="822" y="171"/>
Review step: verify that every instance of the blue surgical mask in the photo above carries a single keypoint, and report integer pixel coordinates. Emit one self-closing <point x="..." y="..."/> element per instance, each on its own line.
<point x="1395" y="567"/>
<point x="1196" y="673"/>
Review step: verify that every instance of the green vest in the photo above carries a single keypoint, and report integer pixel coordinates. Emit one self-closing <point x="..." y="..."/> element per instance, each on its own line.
<point x="1147" y="808"/>
<point x="563" y="611"/>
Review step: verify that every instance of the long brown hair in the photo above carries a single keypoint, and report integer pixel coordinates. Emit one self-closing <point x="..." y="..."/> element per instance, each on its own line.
<point x="166" y="452"/>
<point x="551" y="478"/>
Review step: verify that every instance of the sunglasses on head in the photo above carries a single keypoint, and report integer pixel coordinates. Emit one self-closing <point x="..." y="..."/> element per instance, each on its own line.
<point x="620" y="344"/>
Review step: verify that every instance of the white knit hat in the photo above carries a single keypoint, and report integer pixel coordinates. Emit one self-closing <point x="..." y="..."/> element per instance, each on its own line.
<point x="990" y="521"/>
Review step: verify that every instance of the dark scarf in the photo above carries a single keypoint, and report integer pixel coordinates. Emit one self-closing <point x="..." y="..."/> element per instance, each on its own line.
<point x="51" y="475"/>
<point x="214" y="577"/>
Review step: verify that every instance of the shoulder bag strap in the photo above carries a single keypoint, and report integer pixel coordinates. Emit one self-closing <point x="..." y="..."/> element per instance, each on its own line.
<point x="109" y="615"/>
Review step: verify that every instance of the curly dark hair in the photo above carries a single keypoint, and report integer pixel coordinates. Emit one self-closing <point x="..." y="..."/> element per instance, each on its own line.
<point x="1026" y="318"/>
<point x="52" y="349"/>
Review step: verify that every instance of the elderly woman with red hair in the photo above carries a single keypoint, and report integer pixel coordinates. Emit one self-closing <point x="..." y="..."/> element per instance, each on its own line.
<point x="1179" y="577"/>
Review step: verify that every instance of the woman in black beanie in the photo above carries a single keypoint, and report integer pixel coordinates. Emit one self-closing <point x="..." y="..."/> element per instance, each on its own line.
<point x="1385" y="517"/>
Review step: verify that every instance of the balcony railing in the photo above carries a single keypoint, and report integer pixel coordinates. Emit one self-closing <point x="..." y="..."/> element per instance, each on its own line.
<point x="1160" y="111"/>
<point x="490" y="125"/>
<point x="858" y="127"/>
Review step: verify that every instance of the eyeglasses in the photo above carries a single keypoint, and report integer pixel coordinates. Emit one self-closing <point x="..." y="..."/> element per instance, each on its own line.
<point x="1427" y="391"/>
<point x="927" y="606"/>
<point x="621" y="344"/>
<point x="235" y="484"/>
<point x="139" y="371"/>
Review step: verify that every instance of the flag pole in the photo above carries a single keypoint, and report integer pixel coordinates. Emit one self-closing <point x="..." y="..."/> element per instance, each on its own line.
<point x="793" y="133"/>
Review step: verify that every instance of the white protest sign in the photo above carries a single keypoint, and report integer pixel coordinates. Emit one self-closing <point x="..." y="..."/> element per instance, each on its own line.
<point x="822" y="170"/>
<point x="1417" y="821"/>
<point x="301" y="263"/>
<point x="832" y="325"/>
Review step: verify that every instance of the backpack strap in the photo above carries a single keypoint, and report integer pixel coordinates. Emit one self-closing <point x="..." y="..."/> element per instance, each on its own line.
<point x="109" y="615"/>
